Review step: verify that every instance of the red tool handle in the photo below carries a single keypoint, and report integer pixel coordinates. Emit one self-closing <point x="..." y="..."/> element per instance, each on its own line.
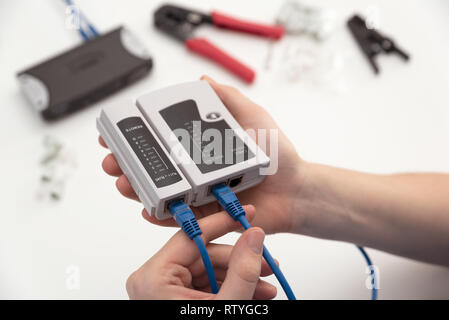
<point x="208" y="50"/>
<point x="225" y="21"/>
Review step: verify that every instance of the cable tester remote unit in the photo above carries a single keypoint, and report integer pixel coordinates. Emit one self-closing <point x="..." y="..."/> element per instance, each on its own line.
<point x="154" y="176"/>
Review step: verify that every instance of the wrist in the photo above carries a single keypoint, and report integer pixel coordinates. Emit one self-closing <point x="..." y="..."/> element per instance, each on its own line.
<point x="317" y="210"/>
<point x="323" y="207"/>
<point x="301" y="194"/>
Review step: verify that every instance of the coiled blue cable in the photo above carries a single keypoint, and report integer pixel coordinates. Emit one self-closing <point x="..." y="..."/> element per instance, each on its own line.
<point x="228" y="200"/>
<point x="372" y="271"/>
<point x="186" y="220"/>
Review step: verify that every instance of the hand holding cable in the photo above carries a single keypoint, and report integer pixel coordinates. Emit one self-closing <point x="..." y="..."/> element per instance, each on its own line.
<point x="228" y="200"/>
<point x="176" y="271"/>
<point x="186" y="220"/>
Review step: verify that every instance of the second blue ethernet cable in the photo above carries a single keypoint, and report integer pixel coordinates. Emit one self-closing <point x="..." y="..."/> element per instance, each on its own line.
<point x="228" y="200"/>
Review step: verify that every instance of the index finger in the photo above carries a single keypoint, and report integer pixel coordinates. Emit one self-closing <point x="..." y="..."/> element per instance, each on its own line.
<point x="100" y="139"/>
<point x="239" y="105"/>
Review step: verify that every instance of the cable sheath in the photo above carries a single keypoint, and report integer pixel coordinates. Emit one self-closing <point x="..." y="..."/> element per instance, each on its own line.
<point x="272" y="264"/>
<point x="228" y="200"/>
<point x="207" y="263"/>
<point x="185" y="218"/>
<point x="372" y="271"/>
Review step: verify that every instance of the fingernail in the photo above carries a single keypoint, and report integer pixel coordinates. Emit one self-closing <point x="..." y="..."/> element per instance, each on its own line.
<point x="255" y="240"/>
<point x="207" y="78"/>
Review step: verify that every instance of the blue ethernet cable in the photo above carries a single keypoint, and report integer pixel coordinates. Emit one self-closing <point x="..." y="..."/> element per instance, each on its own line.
<point x="82" y="32"/>
<point x="372" y="271"/>
<point x="228" y="200"/>
<point x="186" y="220"/>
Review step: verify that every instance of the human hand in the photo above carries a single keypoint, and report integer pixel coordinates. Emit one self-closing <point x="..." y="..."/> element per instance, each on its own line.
<point x="275" y="198"/>
<point x="177" y="271"/>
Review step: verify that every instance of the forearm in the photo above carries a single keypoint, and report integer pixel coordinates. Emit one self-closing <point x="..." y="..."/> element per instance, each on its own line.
<point x="405" y="214"/>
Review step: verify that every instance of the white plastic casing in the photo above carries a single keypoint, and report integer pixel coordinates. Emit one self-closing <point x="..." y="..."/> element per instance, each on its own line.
<point x="154" y="198"/>
<point x="207" y="103"/>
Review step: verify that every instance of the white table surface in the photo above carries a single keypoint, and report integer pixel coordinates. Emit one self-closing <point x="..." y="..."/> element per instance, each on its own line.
<point x="398" y="121"/>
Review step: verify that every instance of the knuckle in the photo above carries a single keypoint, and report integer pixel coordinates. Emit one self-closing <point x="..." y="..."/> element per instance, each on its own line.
<point x="249" y="272"/>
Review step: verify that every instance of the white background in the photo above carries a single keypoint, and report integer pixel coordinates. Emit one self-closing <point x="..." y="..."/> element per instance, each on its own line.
<point x="398" y="121"/>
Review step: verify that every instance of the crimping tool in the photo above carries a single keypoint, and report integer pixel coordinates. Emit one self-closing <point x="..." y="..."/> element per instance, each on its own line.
<point x="181" y="23"/>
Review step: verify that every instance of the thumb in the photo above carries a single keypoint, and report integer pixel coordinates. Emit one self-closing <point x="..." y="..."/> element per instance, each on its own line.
<point x="244" y="267"/>
<point x="239" y="105"/>
<point x="222" y="91"/>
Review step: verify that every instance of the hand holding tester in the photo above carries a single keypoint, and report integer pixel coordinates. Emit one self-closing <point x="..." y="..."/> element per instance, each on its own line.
<point x="143" y="140"/>
<point x="146" y="147"/>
